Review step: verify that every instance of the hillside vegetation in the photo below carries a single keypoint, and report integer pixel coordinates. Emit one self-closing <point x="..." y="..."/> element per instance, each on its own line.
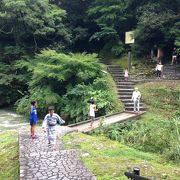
<point x="109" y="159"/>
<point x="158" y="130"/>
<point x="67" y="81"/>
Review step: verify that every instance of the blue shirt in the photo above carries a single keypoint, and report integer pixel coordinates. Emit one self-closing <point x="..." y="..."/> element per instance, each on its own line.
<point x="33" y="115"/>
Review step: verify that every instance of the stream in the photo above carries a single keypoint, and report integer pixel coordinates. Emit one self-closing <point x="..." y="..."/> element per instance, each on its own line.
<point x="11" y="120"/>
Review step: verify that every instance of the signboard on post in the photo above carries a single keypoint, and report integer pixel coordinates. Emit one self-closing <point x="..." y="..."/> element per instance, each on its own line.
<point x="129" y="37"/>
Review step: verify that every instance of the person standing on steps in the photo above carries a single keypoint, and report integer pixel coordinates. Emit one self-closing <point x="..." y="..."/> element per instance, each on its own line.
<point x="136" y="96"/>
<point x="49" y="126"/>
<point x="174" y="57"/>
<point x="33" y="118"/>
<point x="126" y="75"/>
<point x="159" y="70"/>
<point x="92" y="110"/>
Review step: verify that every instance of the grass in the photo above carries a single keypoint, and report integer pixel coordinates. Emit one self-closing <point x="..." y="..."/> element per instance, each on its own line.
<point x="109" y="159"/>
<point x="162" y="98"/>
<point x="122" y="62"/>
<point x="9" y="156"/>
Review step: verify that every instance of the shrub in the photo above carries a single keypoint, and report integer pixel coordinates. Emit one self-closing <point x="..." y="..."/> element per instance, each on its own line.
<point x="68" y="82"/>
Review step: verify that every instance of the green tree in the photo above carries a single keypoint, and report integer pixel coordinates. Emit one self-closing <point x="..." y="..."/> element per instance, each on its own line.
<point x="27" y="26"/>
<point x="30" y="23"/>
<point x="111" y="17"/>
<point x="78" y="23"/>
<point x="155" y="22"/>
<point x="68" y="82"/>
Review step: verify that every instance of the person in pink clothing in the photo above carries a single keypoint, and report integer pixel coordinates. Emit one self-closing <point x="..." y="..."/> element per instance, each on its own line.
<point x="126" y="75"/>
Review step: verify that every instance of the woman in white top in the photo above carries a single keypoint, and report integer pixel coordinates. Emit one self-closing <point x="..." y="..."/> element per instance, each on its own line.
<point x="159" y="69"/>
<point x="92" y="109"/>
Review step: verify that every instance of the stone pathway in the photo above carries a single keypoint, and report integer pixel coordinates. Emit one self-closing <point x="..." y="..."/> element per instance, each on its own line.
<point x="40" y="162"/>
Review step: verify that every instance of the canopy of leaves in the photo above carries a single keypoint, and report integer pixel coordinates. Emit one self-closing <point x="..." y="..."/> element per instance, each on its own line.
<point x="29" y="22"/>
<point x="156" y="22"/>
<point x="68" y="82"/>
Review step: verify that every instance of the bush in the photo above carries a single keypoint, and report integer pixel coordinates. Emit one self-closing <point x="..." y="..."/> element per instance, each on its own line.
<point x="68" y="82"/>
<point x="158" y="136"/>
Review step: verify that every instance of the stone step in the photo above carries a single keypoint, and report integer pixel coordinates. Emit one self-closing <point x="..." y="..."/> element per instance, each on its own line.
<point x="126" y="101"/>
<point x="124" y="93"/>
<point x="115" y="70"/>
<point x="122" y="86"/>
<point x="122" y="82"/>
<point x="129" y="96"/>
<point x="132" y="108"/>
<point x="131" y="104"/>
<point x="118" y="77"/>
<point x="114" y="66"/>
<point x="125" y="89"/>
<point x="117" y="73"/>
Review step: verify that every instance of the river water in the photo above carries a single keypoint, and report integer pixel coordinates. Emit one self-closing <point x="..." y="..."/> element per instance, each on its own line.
<point x="11" y="120"/>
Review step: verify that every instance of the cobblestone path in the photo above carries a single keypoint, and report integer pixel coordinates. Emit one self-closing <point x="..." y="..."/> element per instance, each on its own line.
<point x="40" y="162"/>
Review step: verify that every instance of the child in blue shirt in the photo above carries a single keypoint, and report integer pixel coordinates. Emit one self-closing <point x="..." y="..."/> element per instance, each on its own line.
<point x="33" y="118"/>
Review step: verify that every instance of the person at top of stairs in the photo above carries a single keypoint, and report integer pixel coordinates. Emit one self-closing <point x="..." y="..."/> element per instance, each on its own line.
<point x="174" y="56"/>
<point x="126" y="75"/>
<point x="159" y="70"/>
<point x="136" y="96"/>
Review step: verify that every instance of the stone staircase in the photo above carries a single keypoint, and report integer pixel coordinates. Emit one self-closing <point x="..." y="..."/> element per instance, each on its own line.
<point x="125" y="88"/>
<point x="171" y="71"/>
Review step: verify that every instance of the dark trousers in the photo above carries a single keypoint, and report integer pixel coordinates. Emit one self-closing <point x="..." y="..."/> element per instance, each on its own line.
<point x="158" y="73"/>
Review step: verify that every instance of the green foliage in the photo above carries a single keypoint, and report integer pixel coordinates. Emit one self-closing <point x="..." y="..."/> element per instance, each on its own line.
<point x="157" y="31"/>
<point x="109" y="159"/>
<point x="68" y="82"/>
<point x="118" y="49"/>
<point x="175" y="32"/>
<point x="109" y="16"/>
<point x="108" y="12"/>
<point x="26" y="27"/>
<point x="79" y="26"/>
<point x="9" y="157"/>
<point x="157" y="131"/>
<point x="29" y="22"/>
<point x="8" y="84"/>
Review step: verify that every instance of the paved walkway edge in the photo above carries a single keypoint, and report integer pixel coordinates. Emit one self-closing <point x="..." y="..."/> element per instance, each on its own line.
<point x="68" y="159"/>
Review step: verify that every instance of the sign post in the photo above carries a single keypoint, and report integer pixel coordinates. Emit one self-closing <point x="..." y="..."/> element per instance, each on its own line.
<point x="129" y="39"/>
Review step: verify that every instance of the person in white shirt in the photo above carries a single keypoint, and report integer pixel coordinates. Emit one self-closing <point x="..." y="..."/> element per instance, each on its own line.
<point x="159" y="69"/>
<point x="92" y="109"/>
<point x="136" y="96"/>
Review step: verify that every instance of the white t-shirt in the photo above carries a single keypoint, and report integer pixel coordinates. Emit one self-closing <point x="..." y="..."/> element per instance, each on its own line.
<point x="159" y="67"/>
<point x="126" y="74"/>
<point x="92" y="110"/>
<point x="136" y="95"/>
